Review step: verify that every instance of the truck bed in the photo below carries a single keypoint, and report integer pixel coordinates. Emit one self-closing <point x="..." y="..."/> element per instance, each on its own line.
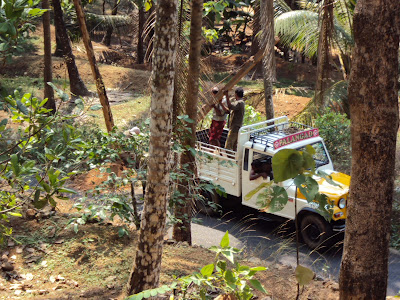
<point x="218" y="165"/>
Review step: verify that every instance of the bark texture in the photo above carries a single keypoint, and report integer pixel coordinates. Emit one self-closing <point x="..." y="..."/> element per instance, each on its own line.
<point x="147" y="264"/>
<point x="268" y="44"/>
<point x="48" y="71"/>
<point x="101" y="89"/>
<point x="373" y="95"/>
<point x="139" y="49"/>
<point x="183" y="209"/>
<point x="324" y="52"/>
<point x="76" y="85"/>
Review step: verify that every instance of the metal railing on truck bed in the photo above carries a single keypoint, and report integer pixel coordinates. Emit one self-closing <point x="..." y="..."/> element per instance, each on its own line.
<point x="218" y="165"/>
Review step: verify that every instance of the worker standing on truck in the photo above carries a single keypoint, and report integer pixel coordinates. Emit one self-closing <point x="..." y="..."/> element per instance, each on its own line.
<point x="236" y="119"/>
<point x="218" y="120"/>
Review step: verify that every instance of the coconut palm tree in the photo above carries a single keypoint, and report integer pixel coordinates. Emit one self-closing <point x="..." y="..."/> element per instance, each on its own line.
<point x="301" y="29"/>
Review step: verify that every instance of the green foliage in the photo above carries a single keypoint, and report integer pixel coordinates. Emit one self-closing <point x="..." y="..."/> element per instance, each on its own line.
<point x="230" y="14"/>
<point x="334" y="128"/>
<point x="299" y="165"/>
<point x="108" y="152"/>
<point x="304" y="275"/>
<point x="16" y="18"/>
<point x="38" y="159"/>
<point x="224" y="275"/>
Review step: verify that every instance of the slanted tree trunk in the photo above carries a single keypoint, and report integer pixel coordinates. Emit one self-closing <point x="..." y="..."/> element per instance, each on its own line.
<point x="269" y="65"/>
<point x="76" y="85"/>
<point x="324" y="53"/>
<point x="147" y="264"/>
<point x="107" y="37"/>
<point x="373" y="96"/>
<point x="48" y="72"/>
<point x="183" y="208"/>
<point x="101" y="89"/>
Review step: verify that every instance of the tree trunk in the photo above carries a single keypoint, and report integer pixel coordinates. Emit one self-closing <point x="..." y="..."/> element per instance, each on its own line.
<point x="269" y="65"/>
<point x="142" y="20"/>
<point x="107" y="37"/>
<point x="373" y="96"/>
<point x="58" y="52"/>
<point x="147" y="265"/>
<point x="47" y="72"/>
<point x="324" y="52"/>
<point x="76" y="85"/>
<point x="101" y="89"/>
<point x="183" y="208"/>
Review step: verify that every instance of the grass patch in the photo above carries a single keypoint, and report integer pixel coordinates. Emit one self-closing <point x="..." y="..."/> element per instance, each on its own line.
<point x="32" y="85"/>
<point x="127" y="114"/>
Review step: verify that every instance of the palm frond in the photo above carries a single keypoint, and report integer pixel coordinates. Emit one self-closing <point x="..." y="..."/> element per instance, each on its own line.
<point x="103" y="22"/>
<point x="310" y="5"/>
<point x="299" y="30"/>
<point x="280" y="7"/>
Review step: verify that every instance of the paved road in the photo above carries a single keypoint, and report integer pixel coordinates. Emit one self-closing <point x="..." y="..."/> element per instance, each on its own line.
<point x="274" y="242"/>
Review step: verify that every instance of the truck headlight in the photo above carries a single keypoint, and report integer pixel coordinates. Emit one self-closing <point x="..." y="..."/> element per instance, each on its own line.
<point x="342" y="203"/>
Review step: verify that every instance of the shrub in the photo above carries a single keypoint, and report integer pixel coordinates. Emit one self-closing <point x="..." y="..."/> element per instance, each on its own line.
<point x="334" y="128"/>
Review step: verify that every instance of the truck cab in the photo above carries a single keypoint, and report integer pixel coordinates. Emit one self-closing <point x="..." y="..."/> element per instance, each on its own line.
<point x="236" y="173"/>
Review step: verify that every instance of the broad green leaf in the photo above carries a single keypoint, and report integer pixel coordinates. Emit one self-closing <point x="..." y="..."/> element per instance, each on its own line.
<point x="229" y="255"/>
<point x="37" y="195"/>
<point x="225" y="240"/>
<point x="22" y="107"/>
<point x="147" y="294"/>
<point x="256" y="190"/>
<point x="52" y="202"/>
<point x="67" y="190"/>
<point x="258" y="269"/>
<point x="328" y="178"/>
<point x="207" y="270"/>
<point x="64" y="96"/>
<point x="286" y="164"/>
<point x="45" y="186"/>
<point x="14" y="214"/>
<point x="96" y="107"/>
<point x="15" y="165"/>
<point x="221" y="265"/>
<point x="138" y="296"/>
<point x="309" y="162"/>
<point x="36" y="12"/>
<point x="307" y="186"/>
<point x="40" y="203"/>
<point x="274" y="199"/>
<point x="230" y="276"/>
<point x="310" y="149"/>
<point x="257" y="285"/>
<point x="304" y="275"/>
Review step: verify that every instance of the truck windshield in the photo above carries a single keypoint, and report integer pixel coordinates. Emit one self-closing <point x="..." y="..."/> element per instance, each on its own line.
<point x="320" y="156"/>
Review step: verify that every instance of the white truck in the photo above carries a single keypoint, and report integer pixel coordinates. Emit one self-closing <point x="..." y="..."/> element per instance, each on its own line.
<point x="259" y="142"/>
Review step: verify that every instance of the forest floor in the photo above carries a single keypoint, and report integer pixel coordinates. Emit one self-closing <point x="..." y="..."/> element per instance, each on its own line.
<point x="46" y="259"/>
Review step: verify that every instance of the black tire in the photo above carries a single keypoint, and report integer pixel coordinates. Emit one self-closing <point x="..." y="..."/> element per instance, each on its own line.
<point x="208" y="204"/>
<point x="315" y="232"/>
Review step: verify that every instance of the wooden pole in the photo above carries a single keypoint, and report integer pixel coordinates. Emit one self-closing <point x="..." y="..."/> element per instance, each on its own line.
<point x="101" y="90"/>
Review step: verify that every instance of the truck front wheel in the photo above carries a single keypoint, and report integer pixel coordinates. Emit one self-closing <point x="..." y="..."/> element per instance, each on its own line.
<point x="209" y="203"/>
<point x="316" y="232"/>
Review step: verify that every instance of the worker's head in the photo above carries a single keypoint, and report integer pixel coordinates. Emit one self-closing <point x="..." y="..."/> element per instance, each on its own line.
<point x="215" y="90"/>
<point x="239" y="93"/>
